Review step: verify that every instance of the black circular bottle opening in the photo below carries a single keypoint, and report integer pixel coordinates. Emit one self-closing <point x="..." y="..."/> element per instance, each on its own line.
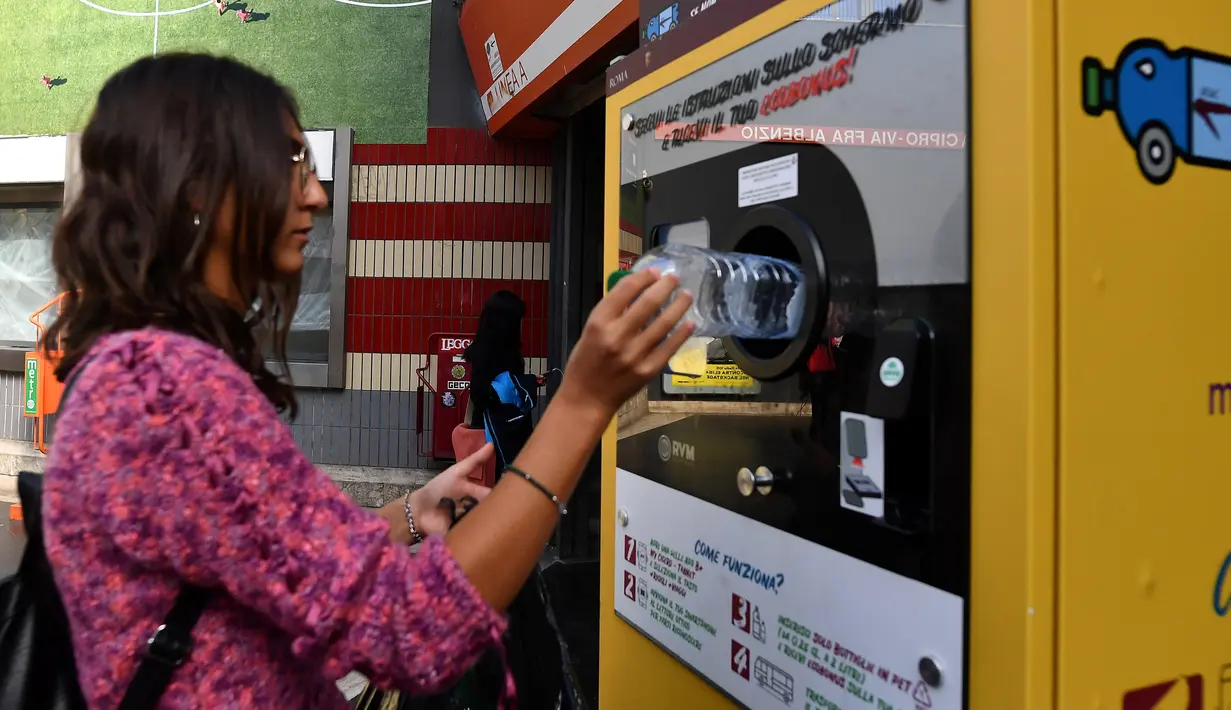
<point x="767" y="240"/>
<point x="771" y="230"/>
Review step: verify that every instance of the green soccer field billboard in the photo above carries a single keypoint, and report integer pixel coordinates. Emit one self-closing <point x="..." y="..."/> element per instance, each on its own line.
<point x="361" y="63"/>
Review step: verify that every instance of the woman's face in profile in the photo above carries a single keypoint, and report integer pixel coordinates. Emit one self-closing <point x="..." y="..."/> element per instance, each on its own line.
<point x="307" y="197"/>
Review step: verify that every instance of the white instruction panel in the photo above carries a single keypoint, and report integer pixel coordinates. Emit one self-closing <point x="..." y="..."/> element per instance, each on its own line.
<point x="773" y="620"/>
<point x="772" y="180"/>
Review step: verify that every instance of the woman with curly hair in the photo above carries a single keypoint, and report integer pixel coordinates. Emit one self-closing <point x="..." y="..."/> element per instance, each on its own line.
<point x="172" y="472"/>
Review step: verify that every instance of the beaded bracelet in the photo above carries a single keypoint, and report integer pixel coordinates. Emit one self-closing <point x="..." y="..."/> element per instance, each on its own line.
<point x="415" y="536"/>
<point x="555" y="500"/>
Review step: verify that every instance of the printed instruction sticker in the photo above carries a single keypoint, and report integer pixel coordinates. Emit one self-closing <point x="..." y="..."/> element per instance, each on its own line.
<point x="770" y="181"/>
<point x="493" y="57"/>
<point x="737" y="602"/>
<point x="862" y="472"/>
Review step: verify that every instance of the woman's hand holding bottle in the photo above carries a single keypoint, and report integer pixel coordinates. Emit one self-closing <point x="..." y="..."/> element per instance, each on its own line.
<point x="627" y="340"/>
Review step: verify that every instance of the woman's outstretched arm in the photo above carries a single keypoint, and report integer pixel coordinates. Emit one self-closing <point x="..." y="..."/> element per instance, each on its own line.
<point x="627" y="340"/>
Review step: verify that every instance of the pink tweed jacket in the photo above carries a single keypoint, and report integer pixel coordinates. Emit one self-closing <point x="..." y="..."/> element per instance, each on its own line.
<point x="170" y="466"/>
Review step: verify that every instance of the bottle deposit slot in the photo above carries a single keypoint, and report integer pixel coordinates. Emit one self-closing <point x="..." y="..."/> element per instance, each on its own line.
<point x="770" y="230"/>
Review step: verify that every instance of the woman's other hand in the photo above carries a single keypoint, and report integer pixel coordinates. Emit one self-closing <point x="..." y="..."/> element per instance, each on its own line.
<point x="432" y="518"/>
<point x="627" y="340"/>
<point x="428" y="505"/>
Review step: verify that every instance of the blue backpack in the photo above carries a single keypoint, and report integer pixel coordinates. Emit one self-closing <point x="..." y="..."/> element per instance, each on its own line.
<point x="508" y="420"/>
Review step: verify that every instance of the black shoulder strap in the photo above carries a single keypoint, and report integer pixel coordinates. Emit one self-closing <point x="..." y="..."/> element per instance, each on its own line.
<point x="166" y="650"/>
<point x="171" y="643"/>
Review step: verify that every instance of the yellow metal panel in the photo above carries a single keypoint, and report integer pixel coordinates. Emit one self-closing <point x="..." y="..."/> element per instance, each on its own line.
<point x="1012" y="606"/>
<point x="1144" y="483"/>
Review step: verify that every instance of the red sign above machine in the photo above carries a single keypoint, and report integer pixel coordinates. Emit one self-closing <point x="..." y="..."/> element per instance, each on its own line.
<point x="518" y="51"/>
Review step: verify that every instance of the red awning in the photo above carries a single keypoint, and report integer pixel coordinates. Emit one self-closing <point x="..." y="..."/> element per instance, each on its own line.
<point x="520" y="50"/>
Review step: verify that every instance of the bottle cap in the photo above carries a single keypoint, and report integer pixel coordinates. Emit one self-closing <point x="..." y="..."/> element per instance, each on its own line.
<point x="615" y="278"/>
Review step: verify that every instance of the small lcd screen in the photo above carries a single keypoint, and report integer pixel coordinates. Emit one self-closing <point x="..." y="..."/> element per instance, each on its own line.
<point x="856" y="439"/>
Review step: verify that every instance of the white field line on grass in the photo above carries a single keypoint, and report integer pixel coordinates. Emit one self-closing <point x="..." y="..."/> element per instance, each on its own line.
<point x="156" y="13"/>
<point x="357" y="3"/>
<point x="157" y="5"/>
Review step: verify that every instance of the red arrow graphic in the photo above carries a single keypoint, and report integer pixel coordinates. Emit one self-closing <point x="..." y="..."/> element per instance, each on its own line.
<point x="1149" y="698"/>
<point x="1207" y="109"/>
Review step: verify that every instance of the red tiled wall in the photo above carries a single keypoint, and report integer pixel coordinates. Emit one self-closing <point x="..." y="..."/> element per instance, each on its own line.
<point x="434" y="230"/>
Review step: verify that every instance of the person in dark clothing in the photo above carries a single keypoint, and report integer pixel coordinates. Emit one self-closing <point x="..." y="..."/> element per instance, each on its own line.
<point x="496" y="348"/>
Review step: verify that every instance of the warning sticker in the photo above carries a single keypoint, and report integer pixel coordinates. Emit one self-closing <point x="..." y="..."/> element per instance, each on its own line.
<point x="493" y="57"/>
<point x="773" y="180"/>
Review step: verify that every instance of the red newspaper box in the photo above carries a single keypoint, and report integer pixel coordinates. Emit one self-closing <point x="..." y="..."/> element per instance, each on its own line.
<point x="452" y="389"/>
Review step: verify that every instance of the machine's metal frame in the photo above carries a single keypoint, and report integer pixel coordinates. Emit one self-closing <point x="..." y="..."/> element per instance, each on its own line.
<point x="1012" y="606"/>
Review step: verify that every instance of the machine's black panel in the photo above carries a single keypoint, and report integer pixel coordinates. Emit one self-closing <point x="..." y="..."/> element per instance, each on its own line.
<point x="807" y="447"/>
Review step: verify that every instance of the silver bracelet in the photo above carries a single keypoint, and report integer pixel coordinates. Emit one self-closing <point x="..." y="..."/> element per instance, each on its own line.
<point x="415" y="536"/>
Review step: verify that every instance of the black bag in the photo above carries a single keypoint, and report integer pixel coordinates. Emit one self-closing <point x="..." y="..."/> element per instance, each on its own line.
<point x="536" y="651"/>
<point x="538" y="658"/>
<point x="508" y="418"/>
<point x="37" y="670"/>
<point x="537" y="655"/>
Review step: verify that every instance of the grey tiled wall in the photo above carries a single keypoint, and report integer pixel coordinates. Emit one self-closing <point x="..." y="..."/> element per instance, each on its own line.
<point x="12" y="424"/>
<point x="362" y="428"/>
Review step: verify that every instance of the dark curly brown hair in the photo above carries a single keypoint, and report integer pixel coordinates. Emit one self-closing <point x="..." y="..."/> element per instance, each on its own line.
<point x="170" y="138"/>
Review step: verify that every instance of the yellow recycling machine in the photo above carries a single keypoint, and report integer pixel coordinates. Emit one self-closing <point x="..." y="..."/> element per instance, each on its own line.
<point x="994" y="470"/>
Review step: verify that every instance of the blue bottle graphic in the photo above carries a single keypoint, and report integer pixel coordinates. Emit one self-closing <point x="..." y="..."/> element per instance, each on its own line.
<point x="1171" y="105"/>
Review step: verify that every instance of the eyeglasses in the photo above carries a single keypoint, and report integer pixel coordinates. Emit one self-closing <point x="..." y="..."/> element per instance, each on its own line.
<point x="307" y="165"/>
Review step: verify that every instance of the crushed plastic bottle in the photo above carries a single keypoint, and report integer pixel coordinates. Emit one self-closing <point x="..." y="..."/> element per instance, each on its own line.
<point x="735" y="294"/>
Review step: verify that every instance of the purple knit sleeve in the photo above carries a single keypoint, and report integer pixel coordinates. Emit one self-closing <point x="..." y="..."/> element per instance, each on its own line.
<point x="201" y="477"/>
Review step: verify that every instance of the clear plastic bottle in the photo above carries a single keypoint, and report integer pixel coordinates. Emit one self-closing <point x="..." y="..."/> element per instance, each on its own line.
<point x="741" y="295"/>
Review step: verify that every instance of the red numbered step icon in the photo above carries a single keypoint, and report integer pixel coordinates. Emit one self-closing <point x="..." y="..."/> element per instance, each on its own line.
<point x="741" y="660"/>
<point x="630" y="585"/>
<point x="741" y="613"/>
<point x="630" y="550"/>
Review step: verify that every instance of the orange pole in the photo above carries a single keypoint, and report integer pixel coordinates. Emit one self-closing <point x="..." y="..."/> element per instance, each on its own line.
<point x="35" y="318"/>
<point x="40" y="425"/>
